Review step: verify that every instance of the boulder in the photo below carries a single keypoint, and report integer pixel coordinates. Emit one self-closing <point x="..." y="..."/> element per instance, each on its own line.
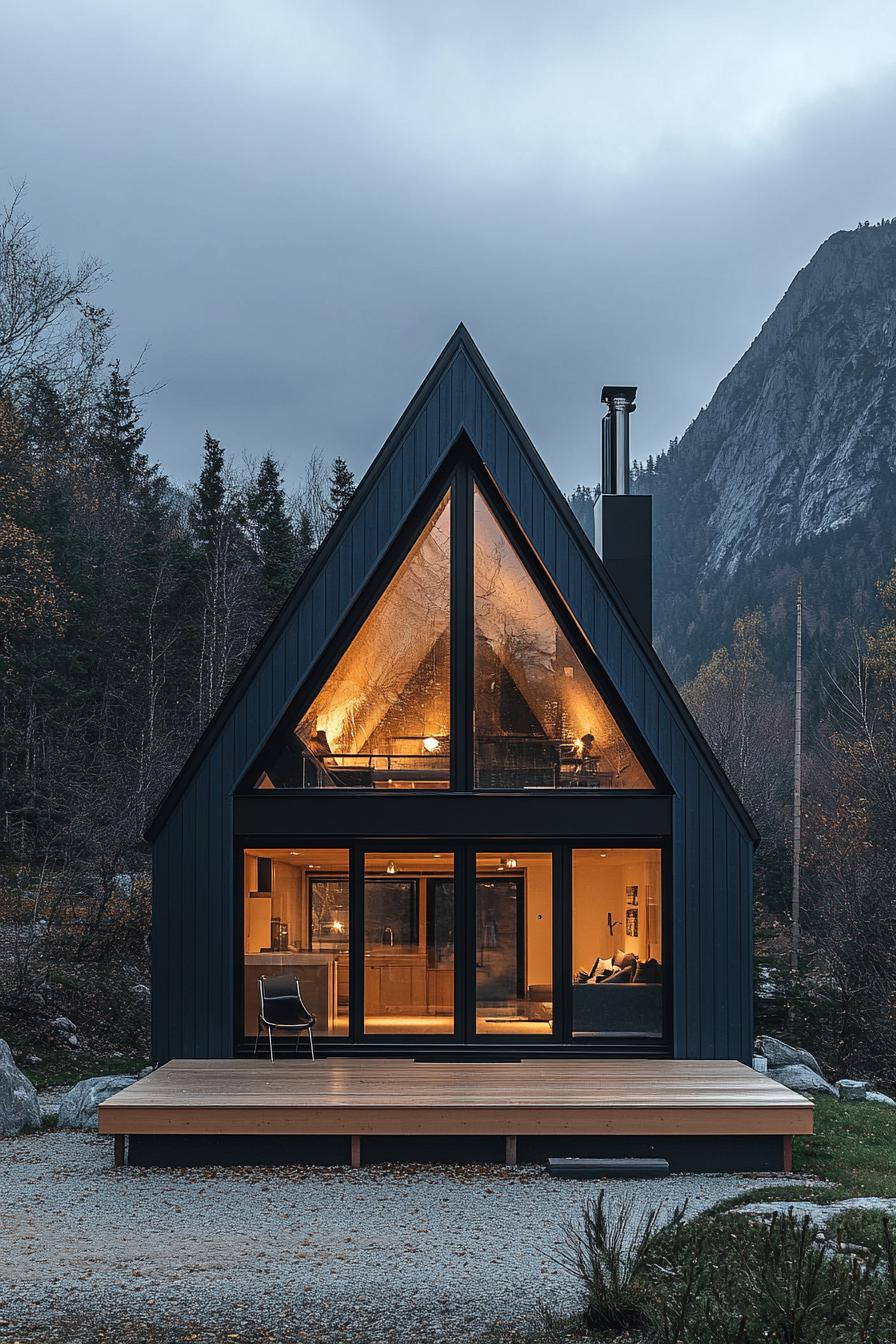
<point x="65" y="1027"/>
<point x="779" y="1054"/>
<point x="881" y="1098"/>
<point x="801" y="1079"/>
<point x="78" y="1108"/>
<point x="19" y="1106"/>
<point x="850" y="1089"/>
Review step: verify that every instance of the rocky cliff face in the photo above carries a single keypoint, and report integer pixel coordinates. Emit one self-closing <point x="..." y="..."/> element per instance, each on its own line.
<point x="790" y="471"/>
<point x="803" y="429"/>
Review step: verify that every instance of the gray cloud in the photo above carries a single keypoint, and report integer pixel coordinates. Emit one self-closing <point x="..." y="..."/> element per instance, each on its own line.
<point x="298" y="202"/>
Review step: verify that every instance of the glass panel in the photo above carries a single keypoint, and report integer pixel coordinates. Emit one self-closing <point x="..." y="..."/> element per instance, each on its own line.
<point x="382" y="720"/>
<point x="514" y="949"/>
<point x="617" y="942"/>
<point x="295" y="922"/>
<point x="409" y="944"/>
<point x="540" y="722"/>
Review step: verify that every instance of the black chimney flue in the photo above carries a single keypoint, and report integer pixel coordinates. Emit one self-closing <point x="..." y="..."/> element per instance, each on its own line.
<point x="623" y="523"/>
<point x="616" y="464"/>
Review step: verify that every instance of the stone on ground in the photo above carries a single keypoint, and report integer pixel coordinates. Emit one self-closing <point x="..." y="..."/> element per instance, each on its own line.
<point x="65" y="1027"/>
<point x="78" y="1108"/>
<point x="881" y="1098"/>
<point x="19" y="1106"/>
<point x="819" y="1214"/>
<point x="851" y="1089"/>
<point x="801" y="1079"/>
<point x="779" y="1054"/>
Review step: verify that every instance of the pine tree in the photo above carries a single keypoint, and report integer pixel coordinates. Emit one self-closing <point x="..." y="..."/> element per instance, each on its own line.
<point x="118" y="436"/>
<point x="208" y="504"/>
<point x="342" y="487"/>
<point x="305" y="543"/>
<point x="220" y="578"/>
<point x="275" y="543"/>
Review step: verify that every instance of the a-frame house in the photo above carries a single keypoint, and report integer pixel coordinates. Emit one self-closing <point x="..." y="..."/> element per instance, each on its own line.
<point x="454" y="789"/>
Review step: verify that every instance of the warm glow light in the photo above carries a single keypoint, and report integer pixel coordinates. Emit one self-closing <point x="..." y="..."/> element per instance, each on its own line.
<point x="337" y="926"/>
<point x="578" y="744"/>
<point x="390" y="866"/>
<point x="511" y="863"/>
<point x="431" y="743"/>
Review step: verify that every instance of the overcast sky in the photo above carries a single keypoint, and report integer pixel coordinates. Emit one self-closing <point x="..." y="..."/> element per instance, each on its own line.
<point x="297" y="203"/>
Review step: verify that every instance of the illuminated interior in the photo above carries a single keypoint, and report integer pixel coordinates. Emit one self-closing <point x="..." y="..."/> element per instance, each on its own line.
<point x="514" y="946"/>
<point x="540" y="722"/>
<point x="382" y="719"/>
<point x="295" y="920"/>
<point x="409" y="944"/>
<point x="617" y="942"/>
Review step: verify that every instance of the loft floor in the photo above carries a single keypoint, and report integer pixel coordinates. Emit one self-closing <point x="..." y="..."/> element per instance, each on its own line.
<point x="682" y="1103"/>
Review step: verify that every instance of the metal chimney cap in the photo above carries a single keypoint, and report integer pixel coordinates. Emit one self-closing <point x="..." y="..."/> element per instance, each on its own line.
<point x="613" y="393"/>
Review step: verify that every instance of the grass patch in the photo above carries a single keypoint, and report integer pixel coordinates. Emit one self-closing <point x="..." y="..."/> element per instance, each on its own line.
<point x="854" y="1147"/>
<point x="862" y="1227"/>
<point x="66" y="1069"/>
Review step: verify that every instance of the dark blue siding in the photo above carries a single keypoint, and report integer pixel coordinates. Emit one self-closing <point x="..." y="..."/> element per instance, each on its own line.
<point x="711" y="953"/>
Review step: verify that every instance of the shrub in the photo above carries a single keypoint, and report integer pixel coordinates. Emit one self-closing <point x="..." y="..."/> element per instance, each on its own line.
<point x="611" y="1254"/>
<point x="728" y="1279"/>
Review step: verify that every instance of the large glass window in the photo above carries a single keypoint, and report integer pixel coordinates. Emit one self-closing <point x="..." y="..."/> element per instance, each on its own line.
<point x="382" y="720"/>
<point x="409" y="944"/>
<point x="295" y="921"/>
<point x="617" y="942"/>
<point x="540" y="721"/>
<point x="514" y="947"/>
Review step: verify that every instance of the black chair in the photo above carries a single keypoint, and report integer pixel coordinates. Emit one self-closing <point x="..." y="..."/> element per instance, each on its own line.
<point x="280" y="1005"/>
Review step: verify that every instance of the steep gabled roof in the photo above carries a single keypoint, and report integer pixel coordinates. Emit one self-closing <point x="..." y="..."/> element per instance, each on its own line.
<point x="458" y="395"/>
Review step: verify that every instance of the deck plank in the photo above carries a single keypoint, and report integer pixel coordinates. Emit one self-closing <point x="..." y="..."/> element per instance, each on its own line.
<point x="376" y="1096"/>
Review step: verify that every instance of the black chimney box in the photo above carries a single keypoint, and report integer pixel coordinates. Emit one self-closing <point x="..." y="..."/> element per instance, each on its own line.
<point x="623" y="523"/>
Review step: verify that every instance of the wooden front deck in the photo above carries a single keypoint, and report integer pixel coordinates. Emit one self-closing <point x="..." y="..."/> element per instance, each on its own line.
<point x="570" y="1099"/>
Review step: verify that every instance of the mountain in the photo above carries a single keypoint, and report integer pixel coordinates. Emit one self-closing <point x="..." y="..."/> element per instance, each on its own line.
<point x="789" y="471"/>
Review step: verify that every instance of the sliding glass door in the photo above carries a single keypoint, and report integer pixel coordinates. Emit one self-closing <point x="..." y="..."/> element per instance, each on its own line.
<point x="556" y="944"/>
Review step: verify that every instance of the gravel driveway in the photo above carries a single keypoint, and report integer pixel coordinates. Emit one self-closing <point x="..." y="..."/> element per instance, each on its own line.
<point x="88" y="1252"/>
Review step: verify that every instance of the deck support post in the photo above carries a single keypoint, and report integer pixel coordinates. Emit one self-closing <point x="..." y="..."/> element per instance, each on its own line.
<point x="119" y="1150"/>
<point x="356" y="1150"/>
<point x="788" y="1153"/>
<point x="510" y="1150"/>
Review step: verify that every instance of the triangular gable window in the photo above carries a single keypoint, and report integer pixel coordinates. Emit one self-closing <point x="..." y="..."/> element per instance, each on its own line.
<point x="539" y="720"/>
<point x="383" y="718"/>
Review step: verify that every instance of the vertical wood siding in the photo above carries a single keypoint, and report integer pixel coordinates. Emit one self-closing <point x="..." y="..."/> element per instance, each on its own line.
<point x="193" y="920"/>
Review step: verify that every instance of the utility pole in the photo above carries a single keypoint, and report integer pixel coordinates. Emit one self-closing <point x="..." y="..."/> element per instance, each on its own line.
<point x="797" y="783"/>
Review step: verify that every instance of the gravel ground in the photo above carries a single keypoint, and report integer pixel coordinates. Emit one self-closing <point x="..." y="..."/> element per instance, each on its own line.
<point x="416" y="1253"/>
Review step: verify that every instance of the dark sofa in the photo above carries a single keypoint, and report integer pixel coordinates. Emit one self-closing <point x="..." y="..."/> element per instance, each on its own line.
<point x="617" y="1009"/>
